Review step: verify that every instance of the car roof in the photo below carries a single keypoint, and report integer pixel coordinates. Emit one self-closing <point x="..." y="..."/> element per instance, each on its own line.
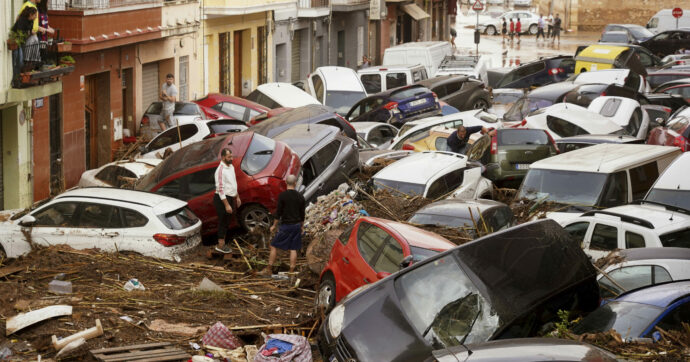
<point x="675" y="177"/>
<point x="305" y="114"/>
<point x="580" y="116"/>
<point x="552" y="91"/>
<point x="661" y="219"/>
<point x="661" y="295"/>
<point x="604" y="158"/>
<point x="159" y="203"/>
<point x="601" y="51"/>
<point x="425" y="164"/>
<point x="599" y="138"/>
<point x="366" y="126"/>
<point x="415" y="236"/>
<point x="139" y="166"/>
<point x="389" y="68"/>
<point x="302" y="138"/>
<point x="654" y="253"/>
<point x="340" y="79"/>
<point x="459" y="208"/>
<point x="435" y="80"/>
<point x="220" y="97"/>
<point x="280" y="92"/>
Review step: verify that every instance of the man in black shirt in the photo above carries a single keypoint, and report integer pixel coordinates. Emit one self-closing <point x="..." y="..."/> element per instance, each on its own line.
<point x="290" y="213"/>
<point x="457" y="141"/>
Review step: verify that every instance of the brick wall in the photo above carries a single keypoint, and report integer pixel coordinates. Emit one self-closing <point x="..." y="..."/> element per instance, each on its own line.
<point x="41" y="151"/>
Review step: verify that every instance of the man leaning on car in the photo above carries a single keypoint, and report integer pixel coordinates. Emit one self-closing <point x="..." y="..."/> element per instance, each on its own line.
<point x="457" y="141"/>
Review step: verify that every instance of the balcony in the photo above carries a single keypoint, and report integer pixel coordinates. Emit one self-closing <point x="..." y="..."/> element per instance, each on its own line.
<point x="100" y="4"/>
<point x="308" y="4"/>
<point x="39" y="63"/>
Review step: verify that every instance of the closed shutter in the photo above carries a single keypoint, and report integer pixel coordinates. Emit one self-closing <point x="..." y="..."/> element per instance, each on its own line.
<point x="296" y="56"/>
<point x="149" y="84"/>
<point x="184" y="66"/>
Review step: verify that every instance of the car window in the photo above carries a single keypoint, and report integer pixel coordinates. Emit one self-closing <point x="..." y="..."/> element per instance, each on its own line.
<point x="441" y="144"/>
<point x="371" y="104"/>
<point x="190" y="186"/>
<point x="629" y="278"/>
<point x="325" y="156"/>
<point x="318" y="87"/>
<point x="563" y="128"/>
<point x="395" y="80"/>
<point x="308" y="172"/>
<point x="170" y="136"/>
<point x="616" y="190"/>
<point x="604" y="237"/>
<point x="187" y="109"/>
<point x="453" y="87"/>
<point x="642" y="178"/>
<point x="375" y="137"/>
<point x="112" y="175"/>
<point x="522" y="72"/>
<point x="521" y="137"/>
<point x="568" y="65"/>
<point x="610" y="107"/>
<point x="645" y="59"/>
<point x="390" y="257"/>
<point x="635" y="122"/>
<point x="632" y="81"/>
<point x="179" y="219"/>
<point x="370" y="238"/>
<point x="674" y="320"/>
<point x="408" y="92"/>
<point x="258" y="154"/>
<point x="372" y="83"/>
<point x="441" y="90"/>
<point x="417" y="76"/>
<point x="99" y="216"/>
<point x="676" y="239"/>
<point x="232" y="110"/>
<point x="437" y="189"/>
<point x="578" y="230"/>
<point x="633" y="240"/>
<point x="133" y="218"/>
<point x="388" y="132"/>
<point x="344" y="237"/>
<point x="59" y="214"/>
<point x="221" y="127"/>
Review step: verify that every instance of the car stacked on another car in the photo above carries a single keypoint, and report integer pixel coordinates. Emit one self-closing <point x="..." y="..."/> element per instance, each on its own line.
<point x="461" y="92"/>
<point x="119" y="173"/>
<point x="185" y="112"/>
<point x="383" y="78"/>
<point x="396" y="106"/>
<point x="336" y="87"/>
<point x="277" y="95"/>
<point x="219" y="106"/>
<point x="379" y="135"/>
<point x="567" y="120"/>
<point x="486" y="215"/>
<point x="309" y="114"/>
<point x="539" y="73"/>
<point x="675" y="132"/>
<point x="175" y="138"/>
<point x="673" y="187"/>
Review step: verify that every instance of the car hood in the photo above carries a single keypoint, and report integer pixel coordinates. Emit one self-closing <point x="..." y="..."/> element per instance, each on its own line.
<point x="369" y="156"/>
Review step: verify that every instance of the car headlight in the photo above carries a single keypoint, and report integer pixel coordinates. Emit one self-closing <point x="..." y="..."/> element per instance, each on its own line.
<point x="335" y="320"/>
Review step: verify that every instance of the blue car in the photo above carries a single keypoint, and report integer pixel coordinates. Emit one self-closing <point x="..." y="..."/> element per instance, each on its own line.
<point x="396" y="106"/>
<point x="635" y="314"/>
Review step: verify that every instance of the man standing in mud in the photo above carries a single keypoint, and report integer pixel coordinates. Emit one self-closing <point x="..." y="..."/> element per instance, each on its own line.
<point x="226" y="199"/>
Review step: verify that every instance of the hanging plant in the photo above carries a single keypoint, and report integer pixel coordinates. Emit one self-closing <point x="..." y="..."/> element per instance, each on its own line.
<point x="16" y="39"/>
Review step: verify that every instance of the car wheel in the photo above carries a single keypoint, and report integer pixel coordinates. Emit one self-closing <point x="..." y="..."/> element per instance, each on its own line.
<point x="479" y="103"/>
<point x="254" y="216"/>
<point x="533" y="29"/>
<point x="490" y="30"/>
<point x="326" y="296"/>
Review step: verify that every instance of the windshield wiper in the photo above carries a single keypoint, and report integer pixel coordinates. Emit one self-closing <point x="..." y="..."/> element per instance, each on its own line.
<point x="462" y="341"/>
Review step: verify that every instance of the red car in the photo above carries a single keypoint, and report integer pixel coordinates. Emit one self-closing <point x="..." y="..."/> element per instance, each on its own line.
<point x="261" y="167"/>
<point x="369" y="250"/>
<point x="218" y="105"/>
<point x="264" y="116"/>
<point x="676" y="132"/>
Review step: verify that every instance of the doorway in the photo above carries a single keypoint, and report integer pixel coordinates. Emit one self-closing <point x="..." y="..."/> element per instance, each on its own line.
<point x="128" y="101"/>
<point x="56" y="179"/>
<point x="97" y="127"/>
<point x="237" y="64"/>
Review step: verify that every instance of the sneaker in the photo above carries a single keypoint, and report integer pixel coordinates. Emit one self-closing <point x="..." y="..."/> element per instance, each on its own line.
<point x="224" y="249"/>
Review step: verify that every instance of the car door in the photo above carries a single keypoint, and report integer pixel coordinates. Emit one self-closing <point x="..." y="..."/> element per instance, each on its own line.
<point x="53" y="223"/>
<point x="134" y="231"/>
<point x="388" y="259"/>
<point x="358" y="262"/>
<point x="605" y="237"/>
<point x="454" y="97"/>
<point x="97" y="226"/>
<point x="197" y="188"/>
<point x="170" y="138"/>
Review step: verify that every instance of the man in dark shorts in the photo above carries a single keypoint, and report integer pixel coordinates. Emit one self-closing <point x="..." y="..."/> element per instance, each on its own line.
<point x="556" y="29"/>
<point x="290" y="214"/>
<point x="504" y="29"/>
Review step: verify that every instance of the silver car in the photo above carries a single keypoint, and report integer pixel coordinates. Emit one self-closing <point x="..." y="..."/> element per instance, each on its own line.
<point x="528" y="20"/>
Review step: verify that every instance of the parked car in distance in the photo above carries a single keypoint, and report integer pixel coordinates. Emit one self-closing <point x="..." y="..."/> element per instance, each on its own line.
<point x="427" y="53"/>
<point x="328" y="158"/>
<point x="668" y="42"/>
<point x="573" y="143"/>
<point x="369" y="250"/>
<point x="218" y="106"/>
<point x="528" y="20"/>
<point x="675" y="132"/>
<point x="673" y="187"/>
<point x="118" y="174"/>
<point x="472" y="66"/>
<point x="509" y="153"/>
<point x="635" y="315"/>
<point x="383" y="78"/>
<point x="396" y="106"/>
<point x="567" y="120"/>
<point x="435" y="174"/>
<point x="488" y="215"/>
<point x="378" y="135"/>
<point x="108" y="219"/>
<point x="453" y="298"/>
<point x="625" y="112"/>
<point x="616" y="37"/>
<point x="185" y="112"/>
<point x="539" y="73"/>
<point x="276" y="95"/>
<point x="310" y="114"/>
<point x="461" y="92"/>
<point x="186" y="134"/>
<point x="261" y="167"/>
<point x="336" y="87"/>
<point x="642" y="267"/>
<point x="636" y="33"/>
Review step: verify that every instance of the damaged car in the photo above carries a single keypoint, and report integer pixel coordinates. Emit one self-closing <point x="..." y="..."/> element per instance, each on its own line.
<point x="487" y="215"/>
<point x="118" y="174"/>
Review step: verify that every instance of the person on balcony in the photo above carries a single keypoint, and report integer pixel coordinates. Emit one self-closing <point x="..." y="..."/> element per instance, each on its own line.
<point x="37" y="28"/>
<point x="28" y="53"/>
<point x="43" y="20"/>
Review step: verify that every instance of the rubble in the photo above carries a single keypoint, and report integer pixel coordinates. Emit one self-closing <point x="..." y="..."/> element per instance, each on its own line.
<point x="332" y="211"/>
<point x="60" y="287"/>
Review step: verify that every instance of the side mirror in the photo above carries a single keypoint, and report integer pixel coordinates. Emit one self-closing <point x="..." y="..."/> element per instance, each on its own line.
<point x="407" y="261"/>
<point x="27" y="221"/>
<point x="381" y="275"/>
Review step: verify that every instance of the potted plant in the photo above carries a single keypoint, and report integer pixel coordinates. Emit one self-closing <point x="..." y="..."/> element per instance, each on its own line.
<point x="64" y="47"/>
<point x="67" y="60"/>
<point x="15" y="39"/>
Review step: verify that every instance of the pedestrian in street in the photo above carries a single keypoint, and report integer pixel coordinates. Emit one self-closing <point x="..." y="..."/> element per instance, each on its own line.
<point x="518" y="29"/>
<point x="556" y="29"/>
<point x="169" y="97"/>
<point x="226" y="199"/>
<point x="504" y="29"/>
<point x="365" y="62"/>
<point x="549" y="24"/>
<point x="290" y="215"/>
<point x="540" y="27"/>
<point x="457" y="141"/>
<point x="453" y="35"/>
<point x="512" y="30"/>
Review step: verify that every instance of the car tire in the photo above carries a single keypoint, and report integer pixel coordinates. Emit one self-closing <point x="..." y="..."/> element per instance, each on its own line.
<point x="533" y="29"/>
<point x="325" y="298"/>
<point x="253" y="216"/>
<point x="490" y="30"/>
<point x="479" y="103"/>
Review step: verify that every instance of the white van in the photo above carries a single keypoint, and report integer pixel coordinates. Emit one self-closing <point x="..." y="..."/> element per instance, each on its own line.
<point x="427" y="53"/>
<point x="664" y="20"/>
<point x="673" y="186"/>
<point x="383" y="78"/>
<point x="336" y="87"/>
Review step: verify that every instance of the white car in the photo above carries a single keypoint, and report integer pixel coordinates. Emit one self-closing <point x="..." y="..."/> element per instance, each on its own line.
<point x="105" y="218"/>
<point x="118" y="173"/>
<point x="630" y="226"/>
<point x="189" y="133"/>
<point x="336" y="87"/>
<point x="620" y="77"/>
<point x="673" y="185"/>
<point x="528" y="20"/>
<point x="185" y="112"/>
<point x="434" y="175"/>
<point x="567" y="120"/>
<point x="626" y="112"/>
<point x="276" y="95"/>
<point x="376" y="134"/>
<point x="471" y="66"/>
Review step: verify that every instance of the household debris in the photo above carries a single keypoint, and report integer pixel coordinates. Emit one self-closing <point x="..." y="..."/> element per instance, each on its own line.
<point x="331" y="211"/>
<point x="93" y="332"/>
<point x="209" y="286"/>
<point x="284" y="347"/>
<point x="182" y="329"/>
<point x="24" y="320"/>
<point x="60" y="287"/>
<point x="220" y="336"/>
<point x="163" y="351"/>
<point x="133" y="284"/>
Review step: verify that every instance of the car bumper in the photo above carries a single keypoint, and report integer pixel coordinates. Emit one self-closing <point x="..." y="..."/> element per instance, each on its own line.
<point x="333" y="349"/>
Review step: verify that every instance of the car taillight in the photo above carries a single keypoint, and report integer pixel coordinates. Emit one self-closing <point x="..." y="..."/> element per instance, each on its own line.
<point x="408" y="147"/>
<point x="603" y="94"/>
<point x="553" y="142"/>
<point x="144" y="120"/>
<point x="666" y="109"/>
<point x="391" y="106"/>
<point x="681" y="142"/>
<point x="494" y="145"/>
<point x="554" y="71"/>
<point x="169" y="239"/>
<point x="212" y="135"/>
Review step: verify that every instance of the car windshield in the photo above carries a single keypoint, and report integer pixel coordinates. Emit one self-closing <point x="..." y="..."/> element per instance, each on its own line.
<point x="640" y="32"/>
<point x="525" y="106"/>
<point x="679" y="198"/>
<point x="509" y="137"/>
<point x="399" y="187"/>
<point x="676" y="239"/>
<point x="506" y="98"/>
<point x="188" y="109"/>
<point x="258" y="154"/>
<point x="567" y="187"/>
<point x="628" y="319"/>
<point x="409" y="92"/>
<point x="420" y="254"/>
<point x="442" y="220"/>
<point x="342" y="101"/>
<point x="454" y="313"/>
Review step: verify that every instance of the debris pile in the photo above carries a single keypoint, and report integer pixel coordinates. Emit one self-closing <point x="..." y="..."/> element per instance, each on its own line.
<point x="672" y="345"/>
<point x="332" y="211"/>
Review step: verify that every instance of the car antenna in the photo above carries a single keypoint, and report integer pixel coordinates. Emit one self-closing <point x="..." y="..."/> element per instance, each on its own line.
<point x="601" y="160"/>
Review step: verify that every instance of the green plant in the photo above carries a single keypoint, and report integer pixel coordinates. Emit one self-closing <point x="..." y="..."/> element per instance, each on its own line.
<point x="67" y="59"/>
<point x="19" y="37"/>
<point x="563" y="324"/>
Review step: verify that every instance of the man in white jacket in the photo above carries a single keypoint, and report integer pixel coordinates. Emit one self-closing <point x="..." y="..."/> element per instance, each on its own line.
<point x="226" y="199"/>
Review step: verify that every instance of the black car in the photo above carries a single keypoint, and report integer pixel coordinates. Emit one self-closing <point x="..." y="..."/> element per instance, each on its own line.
<point x="460" y="91"/>
<point x="616" y="37"/>
<point x="668" y="42"/>
<point x="635" y="33"/>
<point x="488" y="215"/>
<point x="312" y="113"/>
<point x="396" y="106"/>
<point x="508" y="284"/>
<point x="645" y="57"/>
<point x="538" y="73"/>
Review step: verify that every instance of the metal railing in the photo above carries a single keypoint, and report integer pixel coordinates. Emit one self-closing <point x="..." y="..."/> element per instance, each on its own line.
<point x="34" y="61"/>
<point x="96" y="4"/>
<point x="306" y="4"/>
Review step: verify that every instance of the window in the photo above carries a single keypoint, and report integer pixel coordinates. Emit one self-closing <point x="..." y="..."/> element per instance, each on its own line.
<point x="642" y="178"/>
<point x="179" y="219"/>
<point x="370" y="239"/>
<point x="232" y="110"/>
<point x="99" y="216"/>
<point x="190" y="186"/>
<point x="578" y="230"/>
<point x="170" y="137"/>
<point x="610" y="107"/>
<point x="632" y="277"/>
<point x="372" y="83"/>
<point x="134" y="219"/>
<point x="633" y="126"/>
<point x="441" y="144"/>
<point x="375" y="137"/>
<point x="674" y="320"/>
<point x="604" y="237"/>
<point x="390" y="257"/>
<point x="453" y="87"/>
<point x="112" y="175"/>
<point x="645" y="59"/>
<point x="325" y="156"/>
<point x="59" y="214"/>
<point x="395" y="80"/>
<point x="318" y="87"/>
<point x="563" y="128"/>
<point x="416" y="76"/>
<point x="344" y="237"/>
<point x="632" y="81"/>
<point x="522" y="72"/>
<point x="441" y="90"/>
<point x="499" y="218"/>
<point x="445" y="184"/>
<point x="437" y="189"/>
<point x="633" y="240"/>
<point x="676" y="239"/>
<point x="616" y="190"/>
<point x="511" y="137"/>
<point x="258" y="154"/>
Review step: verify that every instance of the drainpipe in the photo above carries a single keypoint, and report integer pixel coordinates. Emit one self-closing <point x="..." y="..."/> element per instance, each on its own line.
<point x="330" y="25"/>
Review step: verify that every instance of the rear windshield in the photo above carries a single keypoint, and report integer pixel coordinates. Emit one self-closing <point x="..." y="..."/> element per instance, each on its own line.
<point x="442" y="220"/>
<point x="409" y="92"/>
<point x="678" y="198"/>
<point x="640" y="32"/>
<point x="614" y="37"/>
<point x="219" y="127"/>
<point x="676" y="239"/>
<point x="179" y="219"/>
<point x="181" y="108"/>
<point x="400" y="187"/>
<point x="508" y="137"/>
<point x="525" y="106"/>
<point x="258" y="154"/>
<point x="506" y="98"/>
<point x="342" y="101"/>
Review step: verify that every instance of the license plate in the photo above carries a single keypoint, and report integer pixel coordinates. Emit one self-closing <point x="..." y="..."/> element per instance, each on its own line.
<point x="417" y="102"/>
<point x="522" y="166"/>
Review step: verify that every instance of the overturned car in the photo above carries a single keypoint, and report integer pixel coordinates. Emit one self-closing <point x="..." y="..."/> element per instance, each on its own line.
<point x="505" y="285"/>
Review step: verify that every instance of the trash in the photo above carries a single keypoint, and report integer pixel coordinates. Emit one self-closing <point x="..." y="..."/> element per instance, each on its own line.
<point x="195" y="346"/>
<point x="202" y="359"/>
<point x="220" y="336"/>
<point x="5" y="353"/>
<point x="284" y="347"/>
<point x="182" y="329"/>
<point x="133" y="284"/>
<point x="127" y="318"/>
<point x="207" y="285"/>
<point x="331" y="211"/>
<point x="60" y="287"/>
<point x="69" y="347"/>
<point x="23" y="320"/>
<point x="85" y="334"/>
<point x="162" y="351"/>
<point x="251" y="351"/>
<point x="60" y="276"/>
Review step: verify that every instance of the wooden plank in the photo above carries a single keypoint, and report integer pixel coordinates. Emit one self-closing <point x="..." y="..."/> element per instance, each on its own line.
<point x="180" y="356"/>
<point x="129" y="348"/>
<point x="9" y="270"/>
<point x="168" y="355"/>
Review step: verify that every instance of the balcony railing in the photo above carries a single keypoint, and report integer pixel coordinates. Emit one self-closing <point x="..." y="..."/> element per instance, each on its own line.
<point x="38" y="63"/>
<point x="349" y="2"/>
<point x="95" y="4"/>
<point x="306" y="4"/>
